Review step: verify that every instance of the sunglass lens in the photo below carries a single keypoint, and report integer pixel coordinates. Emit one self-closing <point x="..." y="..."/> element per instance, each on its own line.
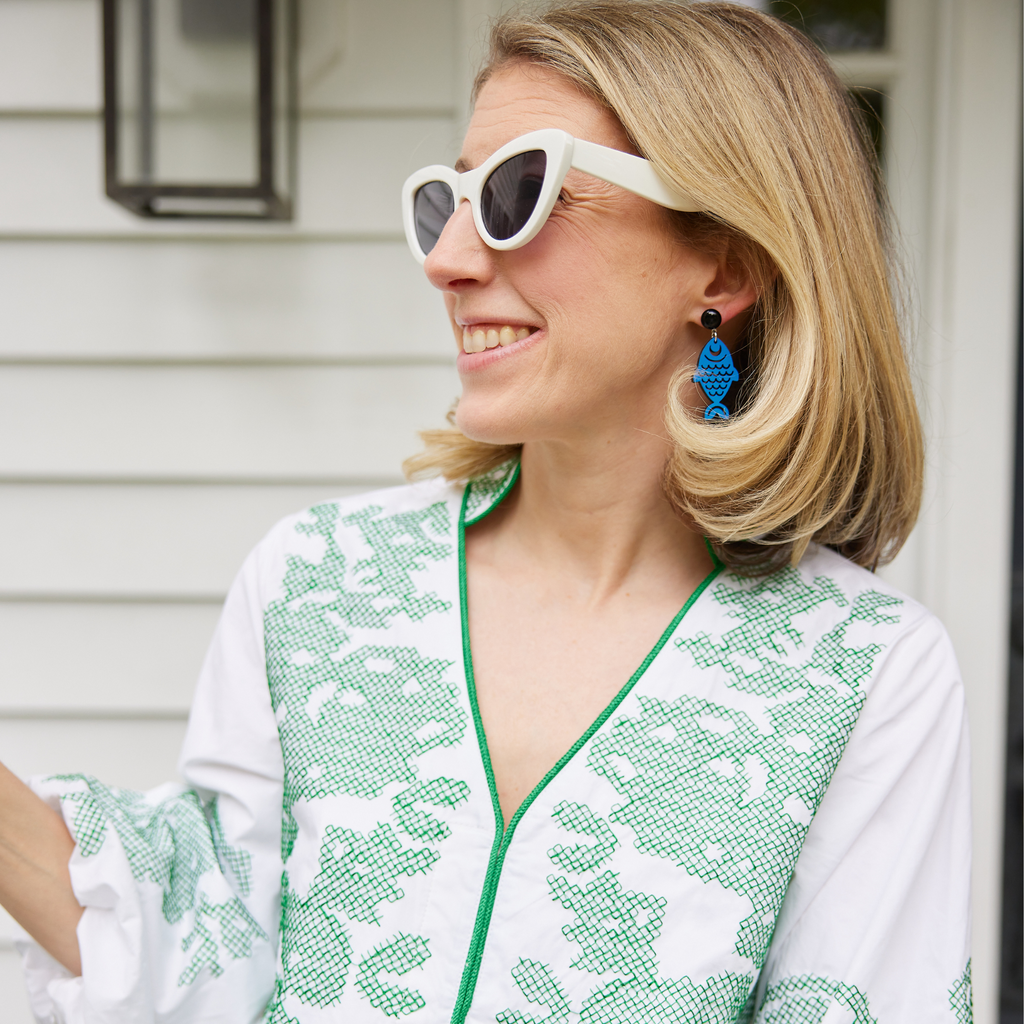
<point x="432" y="205"/>
<point x="511" y="192"/>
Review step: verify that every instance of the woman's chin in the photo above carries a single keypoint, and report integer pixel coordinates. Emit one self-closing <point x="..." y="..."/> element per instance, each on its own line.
<point x="487" y="426"/>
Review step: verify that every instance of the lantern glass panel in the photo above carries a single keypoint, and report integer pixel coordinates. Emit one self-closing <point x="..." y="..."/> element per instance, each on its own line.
<point x="188" y="90"/>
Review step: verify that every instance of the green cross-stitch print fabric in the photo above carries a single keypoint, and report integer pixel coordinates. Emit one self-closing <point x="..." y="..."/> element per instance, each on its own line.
<point x="172" y="843"/>
<point x="355" y="720"/>
<point x="718" y="784"/>
<point x="791" y="755"/>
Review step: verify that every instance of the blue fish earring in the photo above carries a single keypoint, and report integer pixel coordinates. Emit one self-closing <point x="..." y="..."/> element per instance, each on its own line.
<point x="716" y="372"/>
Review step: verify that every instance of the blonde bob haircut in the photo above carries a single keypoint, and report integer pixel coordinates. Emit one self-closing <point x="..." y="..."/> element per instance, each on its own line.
<point x="744" y="114"/>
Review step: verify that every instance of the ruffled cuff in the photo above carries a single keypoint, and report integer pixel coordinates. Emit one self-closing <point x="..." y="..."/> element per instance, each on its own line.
<point x="163" y="936"/>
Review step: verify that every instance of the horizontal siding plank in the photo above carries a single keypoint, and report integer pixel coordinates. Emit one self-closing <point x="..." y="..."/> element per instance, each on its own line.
<point x="130" y="754"/>
<point x="230" y="300"/>
<point x="284" y="423"/>
<point x="50" y="53"/>
<point x="162" y="541"/>
<point x="351" y="171"/>
<point x="96" y="658"/>
<point x="350" y="176"/>
<point x="371" y="53"/>
<point x="377" y="53"/>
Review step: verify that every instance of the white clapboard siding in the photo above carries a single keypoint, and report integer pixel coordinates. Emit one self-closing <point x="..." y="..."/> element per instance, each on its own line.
<point x="102" y="657"/>
<point x="388" y="53"/>
<point x="115" y="541"/>
<point x="138" y="753"/>
<point x="287" y="423"/>
<point x="186" y="299"/>
<point x="384" y="54"/>
<point x="50" y="56"/>
<point x="350" y="174"/>
<point x="169" y="390"/>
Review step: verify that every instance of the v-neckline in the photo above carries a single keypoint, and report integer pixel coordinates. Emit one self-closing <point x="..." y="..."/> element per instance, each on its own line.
<point x="500" y="486"/>
<point x="503" y="830"/>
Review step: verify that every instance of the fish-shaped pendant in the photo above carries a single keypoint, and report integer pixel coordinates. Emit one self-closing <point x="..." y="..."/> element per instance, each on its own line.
<point x="716" y="373"/>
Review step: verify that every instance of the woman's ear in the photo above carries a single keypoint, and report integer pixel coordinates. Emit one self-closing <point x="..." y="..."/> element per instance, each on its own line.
<point x="731" y="291"/>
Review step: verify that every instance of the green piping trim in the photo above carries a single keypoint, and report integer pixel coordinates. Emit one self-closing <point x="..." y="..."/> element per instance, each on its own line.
<point x="503" y="494"/>
<point x="484" y="908"/>
<point x="502" y="835"/>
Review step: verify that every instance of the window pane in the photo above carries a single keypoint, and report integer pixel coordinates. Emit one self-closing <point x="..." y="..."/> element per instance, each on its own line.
<point x="836" y="24"/>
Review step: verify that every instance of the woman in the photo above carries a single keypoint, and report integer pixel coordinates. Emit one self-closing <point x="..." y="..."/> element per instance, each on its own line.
<point x="429" y="777"/>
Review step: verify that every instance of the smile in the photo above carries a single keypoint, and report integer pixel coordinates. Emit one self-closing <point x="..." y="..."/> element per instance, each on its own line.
<point x="484" y="336"/>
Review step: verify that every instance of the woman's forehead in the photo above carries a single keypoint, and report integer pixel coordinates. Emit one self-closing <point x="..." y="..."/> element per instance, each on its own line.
<point x="525" y="97"/>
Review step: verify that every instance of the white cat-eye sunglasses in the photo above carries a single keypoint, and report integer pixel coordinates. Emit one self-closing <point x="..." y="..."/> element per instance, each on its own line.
<point x="514" y="190"/>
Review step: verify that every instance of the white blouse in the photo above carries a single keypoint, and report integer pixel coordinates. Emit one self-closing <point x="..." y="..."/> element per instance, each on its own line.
<point x="768" y="823"/>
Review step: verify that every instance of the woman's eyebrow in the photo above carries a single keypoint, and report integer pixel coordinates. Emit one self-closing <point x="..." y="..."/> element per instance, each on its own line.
<point x="462" y="166"/>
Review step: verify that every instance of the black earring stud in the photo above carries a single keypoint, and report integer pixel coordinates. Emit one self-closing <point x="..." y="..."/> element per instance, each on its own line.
<point x="716" y="372"/>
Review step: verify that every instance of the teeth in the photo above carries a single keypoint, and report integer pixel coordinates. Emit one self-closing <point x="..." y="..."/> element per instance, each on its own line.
<point x="480" y="340"/>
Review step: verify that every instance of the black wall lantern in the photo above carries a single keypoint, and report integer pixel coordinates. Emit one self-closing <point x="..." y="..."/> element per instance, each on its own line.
<point x="199" y="107"/>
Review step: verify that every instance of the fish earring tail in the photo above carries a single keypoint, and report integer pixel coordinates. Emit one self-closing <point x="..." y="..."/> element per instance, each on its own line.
<point x="715" y="372"/>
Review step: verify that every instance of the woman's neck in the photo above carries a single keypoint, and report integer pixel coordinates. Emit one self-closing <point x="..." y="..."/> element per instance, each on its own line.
<point x="594" y="513"/>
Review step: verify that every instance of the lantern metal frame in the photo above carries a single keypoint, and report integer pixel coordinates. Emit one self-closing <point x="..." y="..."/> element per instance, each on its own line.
<point x="142" y="198"/>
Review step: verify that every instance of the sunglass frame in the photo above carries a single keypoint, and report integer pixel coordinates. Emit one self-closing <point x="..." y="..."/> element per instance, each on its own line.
<point x="563" y="152"/>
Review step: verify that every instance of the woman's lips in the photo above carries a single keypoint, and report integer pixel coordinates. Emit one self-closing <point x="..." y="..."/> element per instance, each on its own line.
<point x="469" y="361"/>
<point x="482" y="336"/>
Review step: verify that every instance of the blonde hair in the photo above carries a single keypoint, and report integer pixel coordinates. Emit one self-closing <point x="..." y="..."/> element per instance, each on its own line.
<point x="743" y="113"/>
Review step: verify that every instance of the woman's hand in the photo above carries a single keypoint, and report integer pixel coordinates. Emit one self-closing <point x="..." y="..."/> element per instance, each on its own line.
<point x="35" y="883"/>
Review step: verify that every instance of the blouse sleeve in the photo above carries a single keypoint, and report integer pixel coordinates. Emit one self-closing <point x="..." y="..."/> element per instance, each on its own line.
<point x="180" y="885"/>
<point x="875" y="925"/>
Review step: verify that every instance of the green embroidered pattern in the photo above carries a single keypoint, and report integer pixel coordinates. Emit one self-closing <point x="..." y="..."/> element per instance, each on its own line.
<point x="358" y="873"/>
<point x="168" y="843"/>
<point x="487" y="489"/>
<point x="723" y="795"/>
<point x="961" y="999"/>
<point x="438" y="792"/>
<point x="538" y="983"/>
<point x="237" y="929"/>
<point x="746" y="1015"/>
<point x="172" y="844"/>
<point x="400" y="547"/>
<point x="767" y="608"/>
<point x="232" y="860"/>
<point x="580" y="818"/>
<point x="401" y="955"/>
<point x="315" y="951"/>
<point x="752" y="793"/>
<point x="806" y="1000"/>
<point x="352" y="724"/>
<point x="616" y="929"/>
<point x="645" y="1000"/>
<point x="379" y="587"/>
<point x="276" y="1013"/>
<point x="667" y="1002"/>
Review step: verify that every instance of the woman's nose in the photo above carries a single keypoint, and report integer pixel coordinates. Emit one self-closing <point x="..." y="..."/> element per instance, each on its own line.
<point x="460" y="258"/>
